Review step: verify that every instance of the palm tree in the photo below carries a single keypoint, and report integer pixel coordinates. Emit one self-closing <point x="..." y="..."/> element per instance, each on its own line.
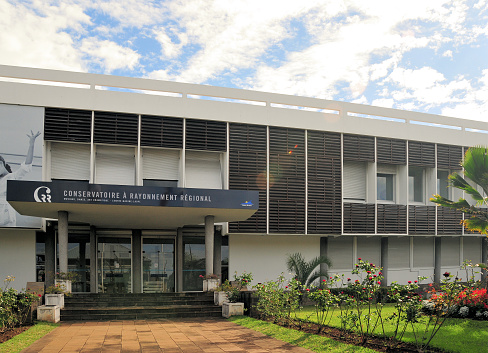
<point x="475" y="166"/>
<point x="304" y="271"/>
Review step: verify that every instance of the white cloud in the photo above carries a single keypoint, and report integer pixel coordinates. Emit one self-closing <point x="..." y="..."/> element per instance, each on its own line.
<point x="34" y="36"/>
<point x="132" y="13"/>
<point x="110" y="55"/>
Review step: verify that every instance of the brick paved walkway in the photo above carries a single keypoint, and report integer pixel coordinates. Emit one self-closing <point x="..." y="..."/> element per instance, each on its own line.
<point x="169" y="336"/>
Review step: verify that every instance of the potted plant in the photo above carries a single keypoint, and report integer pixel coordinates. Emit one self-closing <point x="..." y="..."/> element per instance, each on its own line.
<point x="210" y="282"/>
<point x="242" y="281"/>
<point x="55" y="295"/>
<point x="232" y="307"/>
<point x="220" y="294"/>
<point x="66" y="279"/>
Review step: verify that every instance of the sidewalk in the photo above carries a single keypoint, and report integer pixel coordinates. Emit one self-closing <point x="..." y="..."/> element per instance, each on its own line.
<point x="171" y="336"/>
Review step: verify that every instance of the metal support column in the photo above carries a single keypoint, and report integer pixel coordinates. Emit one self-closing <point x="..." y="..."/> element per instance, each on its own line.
<point x="180" y="253"/>
<point x="93" y="260"/>
<point x="384" y="260"/>
<point x="209" y="244"/>
<point x="437" y="259"/>
<point x="50" y="253"/>
<point x="63" y="240"/>
<point x="217" y="258"/>
<point x="136" y="261"/>
<point x="324" y="251"/>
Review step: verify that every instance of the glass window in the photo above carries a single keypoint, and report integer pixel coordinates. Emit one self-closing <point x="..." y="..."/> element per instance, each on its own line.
<point x="386" y="185"/>
<point x="443" y="183"/>
<point x="415" y="184"/>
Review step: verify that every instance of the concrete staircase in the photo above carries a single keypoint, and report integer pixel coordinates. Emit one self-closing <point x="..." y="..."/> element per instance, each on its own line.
<point x="130" y="306"/>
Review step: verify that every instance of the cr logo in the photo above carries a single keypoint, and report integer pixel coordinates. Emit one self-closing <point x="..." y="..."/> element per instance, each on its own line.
<point x="42" y="194"/>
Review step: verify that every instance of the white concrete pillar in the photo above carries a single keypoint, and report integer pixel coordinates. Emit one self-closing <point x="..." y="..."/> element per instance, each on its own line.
<point x="209" y="244"/>
<point x="63" y="240"/>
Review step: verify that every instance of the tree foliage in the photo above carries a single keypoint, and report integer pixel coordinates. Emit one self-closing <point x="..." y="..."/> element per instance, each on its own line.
<point x="475" y="166"/>
<point x="305" y="271"/>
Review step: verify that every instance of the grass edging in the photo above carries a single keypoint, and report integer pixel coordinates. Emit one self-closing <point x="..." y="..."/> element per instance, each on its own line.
<point x="28" y="337"/>
<point x="315" y="343"/>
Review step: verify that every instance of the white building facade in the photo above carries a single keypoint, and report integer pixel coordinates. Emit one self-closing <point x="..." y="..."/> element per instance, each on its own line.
<point x="264" y="175"/>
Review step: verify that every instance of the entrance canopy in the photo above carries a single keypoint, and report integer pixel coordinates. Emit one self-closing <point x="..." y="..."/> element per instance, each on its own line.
<point x="133" y="207"/>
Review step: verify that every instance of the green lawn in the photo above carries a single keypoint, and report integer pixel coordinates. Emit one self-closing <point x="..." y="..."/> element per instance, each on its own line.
<point x="26" y="338"/>
<point x="456" y="335"/>
<point x="315" y="343"/>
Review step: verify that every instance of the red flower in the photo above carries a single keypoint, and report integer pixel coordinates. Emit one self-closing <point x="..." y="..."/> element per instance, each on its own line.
<point x="324" y="280"/>
<point x="348" y="279"/>
<point x="308" y="290"/>
<point x="370" y="278"/>
<point x="409" y="282"/>
<point x="359" y="258"/>
<point x="415" y="281"/>
<point x="39" y="295"/>
<point x="380" y="273"/>
<point x="379" y="282"/>
<point x="446" y="274"/>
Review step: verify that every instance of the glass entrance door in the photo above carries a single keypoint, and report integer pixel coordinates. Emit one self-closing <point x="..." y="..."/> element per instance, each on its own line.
<point x="114" y="265"/>
<point x="158" y="264"/>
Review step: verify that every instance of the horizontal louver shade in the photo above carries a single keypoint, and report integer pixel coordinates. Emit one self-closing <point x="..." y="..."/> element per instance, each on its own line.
<point x="160" y="131"/>
<point x="359" y="218"/>
<point x="421" y="220"/>
<point x="391" y="151"/>
<point x="244" y="137"/>
<point x="358" y="148"/>
<point x="449" y="157"/>
<point x="423" y="252"/>
<point x="421" y="154"/>
<point x="247" y="171"/>
<point x="67" y="125"/>
<point x="324" y="183"/>
<point x="324" y="144"/>
<point x="355" y="181"/>
<point x="448" y="221"/>
<point x="450" y="254"/>
<point x="399" y="252"/>
<point x="115" y="165"/>
<point x="287" y="180"/>
<point x="70" y="161"/>
<point x="392" y="219"/>
<point x="324" y="217"/>
<point x="340" y="252"/>
<point x="203" y="170"/>
<point x="116" y="128"/>
<point x="286" y="216"/>
<point x="160" y="164"/>
<point x="369" y="249"/>
<point x="472" y="249"/>
<point x="206" y="135"/>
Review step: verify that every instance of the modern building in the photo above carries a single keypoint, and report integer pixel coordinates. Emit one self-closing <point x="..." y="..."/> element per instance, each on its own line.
<point x="142" y="185"/>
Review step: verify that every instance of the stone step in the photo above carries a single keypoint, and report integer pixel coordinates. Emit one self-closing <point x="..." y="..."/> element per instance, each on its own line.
<point x="132" y="306"/>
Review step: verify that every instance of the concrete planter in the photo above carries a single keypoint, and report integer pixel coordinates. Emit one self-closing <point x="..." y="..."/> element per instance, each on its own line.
<point x="220" y="298"/>
<point x="66" y="284"/>
<point x="49" y="313"/>
<point x="232" y="309"/>
<point x="54" y="299"/>
<point x="210" y="284"/>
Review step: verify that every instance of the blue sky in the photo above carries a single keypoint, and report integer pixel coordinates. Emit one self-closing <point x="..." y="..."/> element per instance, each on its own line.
<point x="429" y="56"/>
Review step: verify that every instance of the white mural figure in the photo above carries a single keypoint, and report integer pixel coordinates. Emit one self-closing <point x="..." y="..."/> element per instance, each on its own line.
<point x="7" y="213"/>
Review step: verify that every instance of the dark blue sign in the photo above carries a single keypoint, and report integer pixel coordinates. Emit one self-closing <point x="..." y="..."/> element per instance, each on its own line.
<point x="75" y="192"/>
